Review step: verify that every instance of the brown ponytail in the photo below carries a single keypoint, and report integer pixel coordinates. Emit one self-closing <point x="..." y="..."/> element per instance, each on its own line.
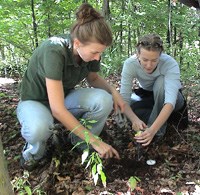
<point x="91" y="26"/>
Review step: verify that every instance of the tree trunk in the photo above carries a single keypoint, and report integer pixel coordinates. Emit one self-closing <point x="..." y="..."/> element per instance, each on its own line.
<point x="121" y="27"/>
<point x="181" y="47"/>
<point x="34" y="24"/>
<point x="106" y="9"/>
<point x="5" y="185"/>
<point x="129" y="41"/>
<point x="175" y="42"/>
<point x="169" y="24"/>
<point x="49" y="28"/>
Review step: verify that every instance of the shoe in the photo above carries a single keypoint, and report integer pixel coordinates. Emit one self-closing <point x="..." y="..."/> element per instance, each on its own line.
<point x="29" y="165"/>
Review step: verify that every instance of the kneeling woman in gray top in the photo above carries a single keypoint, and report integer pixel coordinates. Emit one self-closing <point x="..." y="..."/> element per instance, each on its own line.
<point x="159" y="93"/>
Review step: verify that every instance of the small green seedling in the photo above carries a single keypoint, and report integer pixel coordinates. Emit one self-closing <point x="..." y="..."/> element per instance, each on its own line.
<point x="138" y="133"/>
<point x="133" y="182"/>
<point x="21" y="185"/>
<point x="93" y="160"/>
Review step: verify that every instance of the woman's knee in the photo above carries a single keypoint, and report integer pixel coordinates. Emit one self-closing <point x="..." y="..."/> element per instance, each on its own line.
<point x="105" y="101"/>
<point x="159" y="84"/>
<point x="36" y="132"/>
<point x="35" y="119"/>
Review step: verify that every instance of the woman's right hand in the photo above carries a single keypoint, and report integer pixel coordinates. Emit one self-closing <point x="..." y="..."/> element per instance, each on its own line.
<point x="105" y="150"/>
<point x="138" y="125"/>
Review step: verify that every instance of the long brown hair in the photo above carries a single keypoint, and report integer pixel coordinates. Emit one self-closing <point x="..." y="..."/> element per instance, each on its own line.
<point x="91" y="26"/>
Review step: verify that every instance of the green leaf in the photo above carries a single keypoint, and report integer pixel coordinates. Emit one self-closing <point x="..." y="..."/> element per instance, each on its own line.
<point x="89" y="126"/>
<point x="103" y="179"/>
<point x="28" y="190"/>
<point x="57" y="162"/>
<point x="77" y="145"/>
<point x="84" y="156"/>
<point x="92" y="121"/>
<point x="133" y="182"/>
<point x="99" y="168"/>
<point x="96" y="177"/>
<point x="94" y="170"/>
<point x="2" y="95"/>
<point x="87" y="137"/>
<point x="89" y="188"/>
<point x="89" y="162"/>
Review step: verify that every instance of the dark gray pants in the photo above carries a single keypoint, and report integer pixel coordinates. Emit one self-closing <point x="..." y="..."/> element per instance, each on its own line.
<point x="151" y="103"/>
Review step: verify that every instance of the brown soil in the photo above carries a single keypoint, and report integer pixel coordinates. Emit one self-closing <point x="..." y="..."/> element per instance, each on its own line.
<point x="177" y="168"/>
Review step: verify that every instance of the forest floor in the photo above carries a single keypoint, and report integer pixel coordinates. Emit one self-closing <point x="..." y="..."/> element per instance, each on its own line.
<point x="177" y="156"/>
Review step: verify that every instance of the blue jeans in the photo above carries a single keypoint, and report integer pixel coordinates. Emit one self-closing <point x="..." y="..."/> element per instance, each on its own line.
<point x="37" y="121"/>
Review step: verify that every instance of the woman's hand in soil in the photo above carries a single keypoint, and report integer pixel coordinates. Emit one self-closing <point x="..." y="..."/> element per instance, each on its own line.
<point x="145" y="137"/>
<point x="105" y="150"/>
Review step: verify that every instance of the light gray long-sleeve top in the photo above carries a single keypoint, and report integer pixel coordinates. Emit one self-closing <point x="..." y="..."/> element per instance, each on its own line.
<point x="167" y="66"/>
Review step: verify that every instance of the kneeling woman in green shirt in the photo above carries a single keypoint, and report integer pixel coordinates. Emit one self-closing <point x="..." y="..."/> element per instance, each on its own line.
<point x="48" y="88"/>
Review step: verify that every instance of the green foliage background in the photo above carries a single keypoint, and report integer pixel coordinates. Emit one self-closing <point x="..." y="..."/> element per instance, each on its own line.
<point x="177" y="24"/>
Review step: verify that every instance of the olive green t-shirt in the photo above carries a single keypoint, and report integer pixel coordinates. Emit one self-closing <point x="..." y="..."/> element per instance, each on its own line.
<point x="53" y="59"/>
